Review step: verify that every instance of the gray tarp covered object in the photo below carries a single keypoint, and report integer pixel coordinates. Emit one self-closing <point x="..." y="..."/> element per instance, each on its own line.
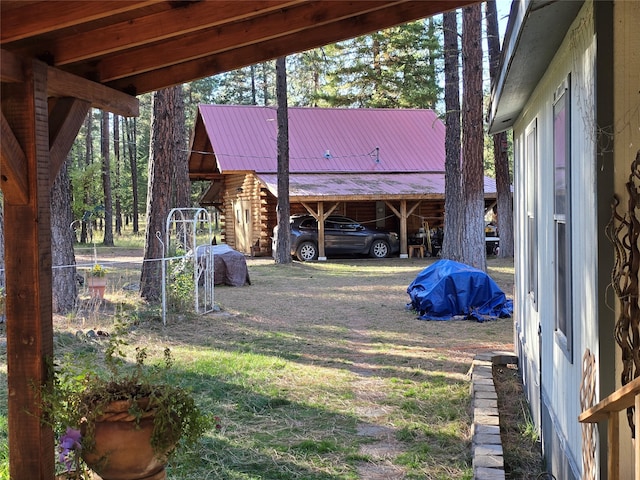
<point x="229" y="267"/>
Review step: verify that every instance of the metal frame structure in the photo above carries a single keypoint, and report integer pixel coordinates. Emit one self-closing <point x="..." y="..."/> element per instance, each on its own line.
<point x="181" y="232"/>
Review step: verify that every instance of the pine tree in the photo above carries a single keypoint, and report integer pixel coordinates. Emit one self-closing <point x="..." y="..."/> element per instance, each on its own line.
<point x="473" y="243"/>
<point x="118" y="177"/>
<point x="283" y="247"/>
<point x="500" y="154"/>
<point x="64" y="286"/>
<point x="158" y="191"/>
<point x="453" y="207"/>
<point x="389" y="69"/>
<point x="180" y="175"/>
<point x="130" y="135"/>
<point x="85" y="234"/>
<point x="307" y="71"/>
<point x="106" y="179"/>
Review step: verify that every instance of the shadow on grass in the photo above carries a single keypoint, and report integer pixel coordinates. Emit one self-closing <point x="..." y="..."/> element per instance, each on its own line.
<point x="369" y="353"/>
<point x="266" y="436"/>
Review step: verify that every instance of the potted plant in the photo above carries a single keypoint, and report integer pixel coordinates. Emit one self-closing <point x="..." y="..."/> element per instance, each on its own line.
<point x="97" y="281"/>
<point x="122" y="421"/>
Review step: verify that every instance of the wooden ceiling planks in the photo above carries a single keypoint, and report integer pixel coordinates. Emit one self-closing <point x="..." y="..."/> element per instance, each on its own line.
<point x="21" y="20"/>
<point x="155" y="26"/>
<point x="269" y="47"/>
<point x="223" y="38"/>
<point x="142" y="46"/>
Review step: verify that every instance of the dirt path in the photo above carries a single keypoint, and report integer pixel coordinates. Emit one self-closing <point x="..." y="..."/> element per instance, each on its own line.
<point x="382" y="446"/>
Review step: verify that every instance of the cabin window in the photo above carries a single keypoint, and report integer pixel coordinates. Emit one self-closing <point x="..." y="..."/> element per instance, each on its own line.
<point x="561" y="217"/>
<point x="531" y="187"/>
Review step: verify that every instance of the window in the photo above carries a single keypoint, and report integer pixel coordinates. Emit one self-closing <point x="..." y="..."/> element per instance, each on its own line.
<point x="561" y="217"/>
<point x="531" y="187"/>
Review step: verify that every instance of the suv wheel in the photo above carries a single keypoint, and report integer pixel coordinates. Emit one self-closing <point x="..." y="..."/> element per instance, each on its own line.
<point x="307" y="251"/>
<point x="379" y="249"/>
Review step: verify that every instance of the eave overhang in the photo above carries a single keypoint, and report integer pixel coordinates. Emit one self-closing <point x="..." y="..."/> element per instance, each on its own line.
<point x="534" y="33"/>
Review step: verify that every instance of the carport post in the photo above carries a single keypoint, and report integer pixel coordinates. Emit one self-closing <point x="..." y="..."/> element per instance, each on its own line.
<point x="322" y="257"/>
<point x="403" y="229"/>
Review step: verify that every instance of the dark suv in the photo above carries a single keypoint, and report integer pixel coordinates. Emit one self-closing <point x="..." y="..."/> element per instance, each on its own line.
<point x="342" y="236"/>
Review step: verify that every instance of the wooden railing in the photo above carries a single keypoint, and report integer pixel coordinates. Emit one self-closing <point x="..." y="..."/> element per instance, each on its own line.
<point x="609" y="409"/>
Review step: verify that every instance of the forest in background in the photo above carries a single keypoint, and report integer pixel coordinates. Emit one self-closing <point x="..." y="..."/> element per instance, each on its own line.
<point x="401" y="67"/>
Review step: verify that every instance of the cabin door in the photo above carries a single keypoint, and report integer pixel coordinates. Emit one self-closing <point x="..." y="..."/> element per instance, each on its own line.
<point x="243" y="226"/>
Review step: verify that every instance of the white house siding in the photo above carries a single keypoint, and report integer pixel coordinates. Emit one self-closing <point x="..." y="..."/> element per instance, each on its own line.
<point x="556" y="404"/>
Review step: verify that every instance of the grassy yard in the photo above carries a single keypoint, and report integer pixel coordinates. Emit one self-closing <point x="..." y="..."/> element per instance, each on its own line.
<point x="317" y="371"/>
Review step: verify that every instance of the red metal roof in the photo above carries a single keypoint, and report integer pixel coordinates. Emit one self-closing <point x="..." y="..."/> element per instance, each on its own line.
<point x="326" y="139"/>
<point x="317" y="186"/>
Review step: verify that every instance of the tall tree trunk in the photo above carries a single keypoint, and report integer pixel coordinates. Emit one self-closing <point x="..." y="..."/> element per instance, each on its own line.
<point x="283" y="245"/>
<point x="180" y="173"/>
<point x="85" y="232"/>
<point x="431" y="32"/>
<point x="116" y="159"/>
<point x="473" y="243"/>
<point x="64" y="287"/>
<point x="377" y="68"/>
<point x="161" y="154"/>
<point x="254" y="97"/>
<point x="106" y="180"/>
<point x="133" y="165"/>
<point x="453" y="204"/>
<point x="500" y="153"/>
<point x="265" y="83"/>
<point x="180" y="163"/>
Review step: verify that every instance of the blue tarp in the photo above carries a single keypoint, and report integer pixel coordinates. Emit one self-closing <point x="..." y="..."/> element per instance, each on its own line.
<point x="447" y="289"/>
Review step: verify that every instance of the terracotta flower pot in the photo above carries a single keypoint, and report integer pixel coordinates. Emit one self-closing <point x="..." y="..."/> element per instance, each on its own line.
<point x="97" y="286"/>
<point x="122" y="449"/>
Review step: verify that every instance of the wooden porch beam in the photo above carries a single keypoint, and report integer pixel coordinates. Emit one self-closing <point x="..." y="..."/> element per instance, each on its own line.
<point x="63" y="84"/>
<point x="28" y="280"/>
<point x="10" y="67"/>
<point x="65" y="119"/>
<point x="13" y="166"/>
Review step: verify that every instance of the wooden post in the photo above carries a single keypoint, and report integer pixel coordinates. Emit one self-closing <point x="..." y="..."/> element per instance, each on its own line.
<point x="28" y="275"/>
<point x="613" y="436"/>
<point x="321" y="253"/>
<point x="636" y="440"/>
<point x="403" y="229"/>
<point x="609" y="409"/>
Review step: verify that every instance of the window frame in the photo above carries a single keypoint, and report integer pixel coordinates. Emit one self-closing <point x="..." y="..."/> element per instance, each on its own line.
<point x="531" y="207"/>
<point x="561" y="217"/>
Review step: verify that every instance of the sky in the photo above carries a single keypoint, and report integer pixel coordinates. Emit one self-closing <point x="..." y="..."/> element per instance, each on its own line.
<point x="503" y="7"/>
